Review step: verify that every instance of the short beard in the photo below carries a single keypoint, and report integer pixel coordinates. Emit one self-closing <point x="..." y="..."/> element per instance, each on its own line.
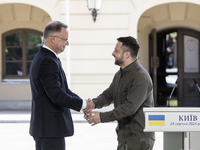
<point x="119" y="62"/>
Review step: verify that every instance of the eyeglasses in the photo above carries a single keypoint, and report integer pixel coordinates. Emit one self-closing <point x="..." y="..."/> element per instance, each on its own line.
<point x="66" y="40"/>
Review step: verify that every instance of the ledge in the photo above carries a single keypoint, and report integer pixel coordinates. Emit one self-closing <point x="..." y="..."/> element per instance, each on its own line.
<point x="15" y="105"/>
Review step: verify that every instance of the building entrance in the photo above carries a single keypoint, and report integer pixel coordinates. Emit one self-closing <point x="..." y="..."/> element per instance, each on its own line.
<point x="174" y="59"/>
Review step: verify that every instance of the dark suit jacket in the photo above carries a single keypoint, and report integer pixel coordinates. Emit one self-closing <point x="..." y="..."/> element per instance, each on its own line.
<point x="51" y="97"/>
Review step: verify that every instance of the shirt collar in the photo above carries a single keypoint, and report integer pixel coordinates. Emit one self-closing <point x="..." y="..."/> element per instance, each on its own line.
<point x="130" y="66"/>
<point x="44" y="46"/>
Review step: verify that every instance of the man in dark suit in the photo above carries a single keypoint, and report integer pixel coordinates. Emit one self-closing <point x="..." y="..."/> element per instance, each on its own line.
<point x="51" y="98"/>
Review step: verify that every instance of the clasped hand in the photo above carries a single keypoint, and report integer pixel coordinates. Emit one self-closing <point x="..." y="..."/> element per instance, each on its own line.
<point x="92" y="117"/>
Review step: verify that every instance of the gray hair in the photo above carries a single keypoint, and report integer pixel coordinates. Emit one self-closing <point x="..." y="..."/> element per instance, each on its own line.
<point x="53" y="27"/>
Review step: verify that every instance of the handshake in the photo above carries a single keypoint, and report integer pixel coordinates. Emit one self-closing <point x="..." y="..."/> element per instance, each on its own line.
<point x="92" y="117"/>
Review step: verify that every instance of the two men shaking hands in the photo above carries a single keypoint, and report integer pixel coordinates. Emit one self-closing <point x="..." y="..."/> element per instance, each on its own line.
<point x="92" y="117"/>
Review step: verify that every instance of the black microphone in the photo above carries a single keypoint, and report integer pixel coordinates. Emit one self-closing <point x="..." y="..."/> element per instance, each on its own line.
<point x="195" y="82"/>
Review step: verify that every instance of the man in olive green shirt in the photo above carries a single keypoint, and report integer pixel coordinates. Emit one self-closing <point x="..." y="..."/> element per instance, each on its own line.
<point x="131" y="90"/>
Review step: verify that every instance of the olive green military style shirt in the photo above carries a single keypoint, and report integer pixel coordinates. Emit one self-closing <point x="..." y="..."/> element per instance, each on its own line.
<point x="131" y="90"/>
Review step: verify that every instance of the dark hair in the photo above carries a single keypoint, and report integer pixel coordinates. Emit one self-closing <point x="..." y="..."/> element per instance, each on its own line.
<point x="52" y="27"/>
<point x="129" y="44"/>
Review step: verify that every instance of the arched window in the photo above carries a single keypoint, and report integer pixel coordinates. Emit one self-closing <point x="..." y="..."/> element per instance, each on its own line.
<point x="19" y="48"/>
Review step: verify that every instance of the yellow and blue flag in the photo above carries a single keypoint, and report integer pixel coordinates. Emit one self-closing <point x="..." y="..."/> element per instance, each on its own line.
<point x="156" y="120"/>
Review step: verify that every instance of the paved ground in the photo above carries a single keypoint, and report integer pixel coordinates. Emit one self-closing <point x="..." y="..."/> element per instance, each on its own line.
<point x="14" y="127"/>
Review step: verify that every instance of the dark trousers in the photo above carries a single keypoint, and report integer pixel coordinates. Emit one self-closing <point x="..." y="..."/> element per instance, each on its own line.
<point x="137" y="144"/>
<point x="49" y="143"/>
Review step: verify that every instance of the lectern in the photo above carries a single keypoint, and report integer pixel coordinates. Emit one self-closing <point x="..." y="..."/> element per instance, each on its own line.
<point x="173" y="119"/>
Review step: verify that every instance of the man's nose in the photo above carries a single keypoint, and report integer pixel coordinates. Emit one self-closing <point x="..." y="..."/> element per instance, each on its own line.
<point x="113" y="54"/>
<point x="67" y="43"/>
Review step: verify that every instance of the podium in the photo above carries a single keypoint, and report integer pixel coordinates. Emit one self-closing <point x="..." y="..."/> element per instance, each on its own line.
<point x="173" y="119"/>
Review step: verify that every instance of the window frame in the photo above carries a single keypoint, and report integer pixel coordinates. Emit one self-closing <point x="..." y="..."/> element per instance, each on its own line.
<point x="24" y="50"/>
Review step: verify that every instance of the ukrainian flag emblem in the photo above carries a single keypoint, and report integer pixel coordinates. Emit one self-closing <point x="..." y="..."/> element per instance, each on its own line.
<point x="156" y="120"/>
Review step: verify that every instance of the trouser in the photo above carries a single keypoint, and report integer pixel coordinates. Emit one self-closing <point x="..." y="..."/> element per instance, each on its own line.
<point x="49" y="143"/>
<point x="137" y="144"/>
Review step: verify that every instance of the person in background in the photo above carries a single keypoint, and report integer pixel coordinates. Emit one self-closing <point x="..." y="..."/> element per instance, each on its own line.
<point x="51" y="97"/>
<point x="131" y="90"/>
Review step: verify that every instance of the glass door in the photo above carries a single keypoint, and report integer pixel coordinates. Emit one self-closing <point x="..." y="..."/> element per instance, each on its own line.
<point x="178" y="68"/>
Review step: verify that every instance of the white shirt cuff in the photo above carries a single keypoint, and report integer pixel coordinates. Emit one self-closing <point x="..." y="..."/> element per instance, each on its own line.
<point x="84" y="104"/>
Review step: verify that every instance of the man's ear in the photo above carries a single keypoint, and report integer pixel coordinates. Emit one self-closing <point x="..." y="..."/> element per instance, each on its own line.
<point x="52" y="39"/>
<point x="127" y="54"/>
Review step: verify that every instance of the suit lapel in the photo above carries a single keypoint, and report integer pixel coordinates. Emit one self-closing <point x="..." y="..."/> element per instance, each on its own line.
<point x="61" y="74"/>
